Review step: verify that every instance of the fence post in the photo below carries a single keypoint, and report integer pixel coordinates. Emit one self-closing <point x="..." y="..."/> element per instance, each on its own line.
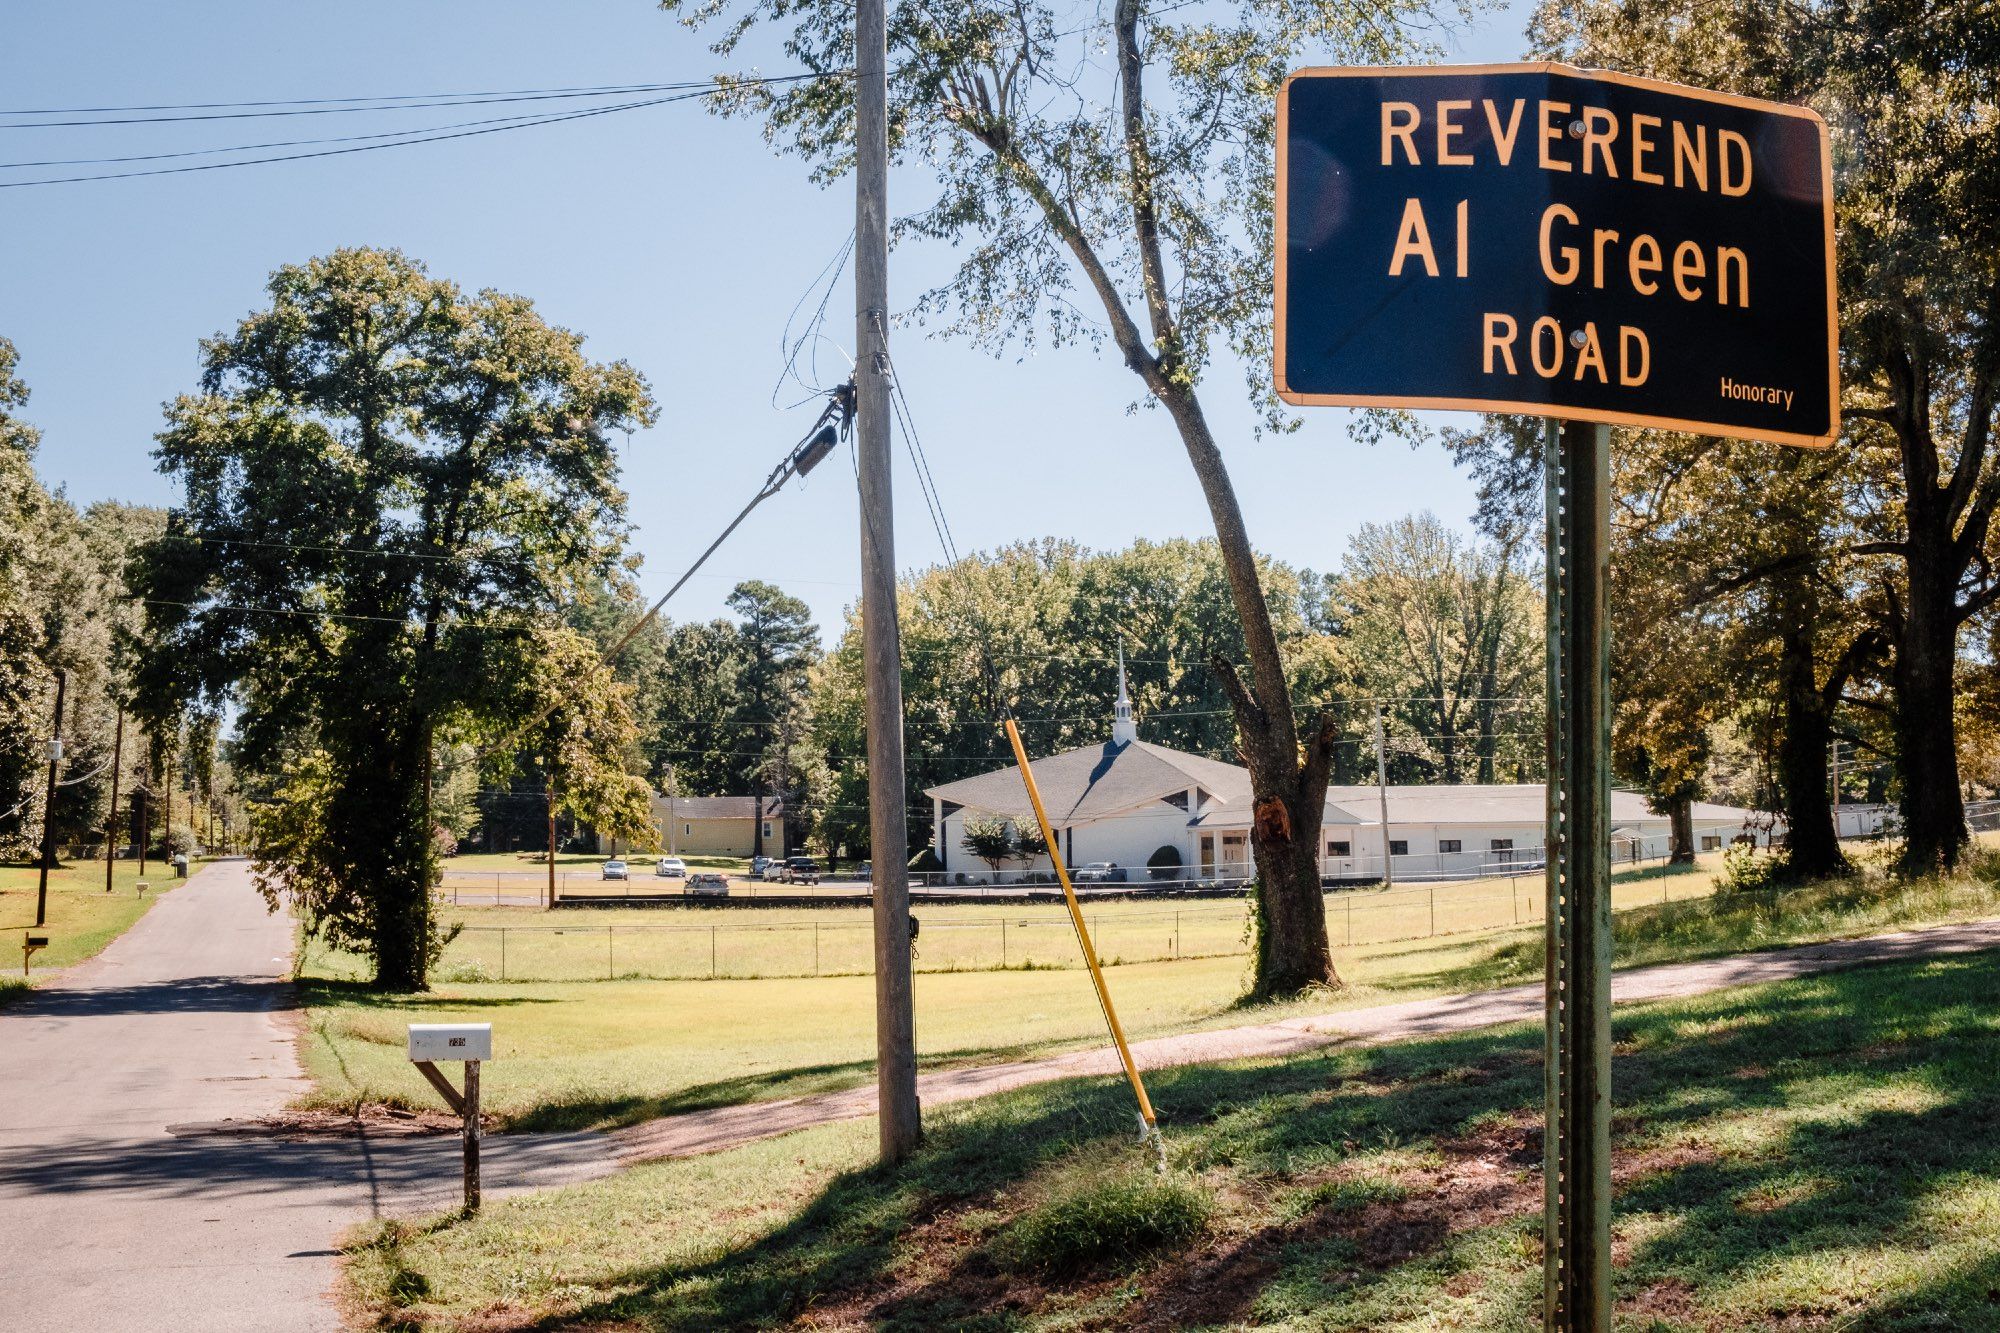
<point x="1177" y="936"/>
<point x="1350" y="918"/>
<point x="815" y="948"/>
<point x="711" y="953"/>
<point x="610" y="955"/>
<point x="503" y="953"/>
<point x="1434" y="909"/>
<point x="1003" y="944"/>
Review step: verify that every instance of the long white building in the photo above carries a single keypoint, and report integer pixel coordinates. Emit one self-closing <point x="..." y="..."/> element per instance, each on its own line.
<point x="1125" y="801"/>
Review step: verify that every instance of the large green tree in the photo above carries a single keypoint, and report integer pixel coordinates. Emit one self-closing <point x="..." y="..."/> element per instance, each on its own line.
<point x="1911" y="94"/>
<point x="63" y="610"/>
<point x="1448" y="631"/>
<point x="1048" y="617"/>
<point x="1107" y="178"/>
<point x="779" y="645"/>
<point x="389" y="483"/>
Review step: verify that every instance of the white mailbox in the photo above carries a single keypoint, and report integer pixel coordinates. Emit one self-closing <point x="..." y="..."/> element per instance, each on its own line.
<point x="451" y="1041"/>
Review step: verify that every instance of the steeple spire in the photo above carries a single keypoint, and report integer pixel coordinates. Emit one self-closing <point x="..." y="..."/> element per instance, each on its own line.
<point x="1123" y="729"/>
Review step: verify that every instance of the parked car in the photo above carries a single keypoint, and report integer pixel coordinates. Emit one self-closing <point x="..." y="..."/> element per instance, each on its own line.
<point x="799" y="870"/>
<point x="706" y="884"/>
<point x="760" y="866"/>
<point x="671" y="867"/>
<point x="616" y="869"/>
<point x="865" y="872"/>
<point x="1098" y="872"/>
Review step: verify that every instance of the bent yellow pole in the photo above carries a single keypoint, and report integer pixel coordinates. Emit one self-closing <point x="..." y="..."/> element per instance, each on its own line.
<point x="1082" y="933"/>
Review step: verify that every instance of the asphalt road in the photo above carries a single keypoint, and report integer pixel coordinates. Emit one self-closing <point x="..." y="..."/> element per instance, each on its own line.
<point x="127" y="1202"/>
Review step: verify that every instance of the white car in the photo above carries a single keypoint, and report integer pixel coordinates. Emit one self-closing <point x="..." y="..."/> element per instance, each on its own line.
<point x="671" y="867"/>
<point x="760" y="864"/>
<point x="616" y="869"/>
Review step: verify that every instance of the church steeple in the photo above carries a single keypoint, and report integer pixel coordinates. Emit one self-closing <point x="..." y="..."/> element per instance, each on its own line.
<point x="1123" y="729"/>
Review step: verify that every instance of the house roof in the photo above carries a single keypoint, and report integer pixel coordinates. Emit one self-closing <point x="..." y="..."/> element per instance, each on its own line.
<point x="720" y="807"/>
<point x="1510" y="803"/>
<point x="1097" y="780"/>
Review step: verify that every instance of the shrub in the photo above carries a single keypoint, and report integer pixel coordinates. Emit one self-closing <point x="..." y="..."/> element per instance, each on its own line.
<point x="1165" y="862"/>
<point x="1105" y="1218"/>
<point x="1747" y="870"/>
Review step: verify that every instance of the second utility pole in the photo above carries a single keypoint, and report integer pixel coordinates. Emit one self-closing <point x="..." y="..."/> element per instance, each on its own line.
<point x="49" y="805"/>
<point x="888" y="830"/>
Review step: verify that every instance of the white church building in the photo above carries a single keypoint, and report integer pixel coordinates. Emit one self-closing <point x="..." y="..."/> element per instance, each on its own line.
<point x="1125" y="801"/>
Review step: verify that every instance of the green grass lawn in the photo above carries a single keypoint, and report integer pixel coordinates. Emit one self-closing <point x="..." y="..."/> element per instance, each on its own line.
<point x="583" y="1054"/>
<point x="82" y="917"/>
<point x="1816" y="1153"/>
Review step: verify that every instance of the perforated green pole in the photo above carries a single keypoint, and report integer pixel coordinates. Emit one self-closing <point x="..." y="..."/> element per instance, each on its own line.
<point x="1577" y="1136"/>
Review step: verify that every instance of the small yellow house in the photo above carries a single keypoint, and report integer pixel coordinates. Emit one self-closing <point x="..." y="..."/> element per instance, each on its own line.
<point x="719" y="825"/>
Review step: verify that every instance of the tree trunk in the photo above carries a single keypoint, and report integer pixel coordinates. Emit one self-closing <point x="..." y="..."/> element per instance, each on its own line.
<point x="1680" y="830"/>
<point x="1926" y="729"/>
<point x="1812" y="847"/>
<point x="404" y="862"/>
<point x="1287" y="788"/>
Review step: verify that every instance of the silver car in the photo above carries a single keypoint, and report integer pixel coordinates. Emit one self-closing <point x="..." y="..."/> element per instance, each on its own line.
<point x="616" y="869"/>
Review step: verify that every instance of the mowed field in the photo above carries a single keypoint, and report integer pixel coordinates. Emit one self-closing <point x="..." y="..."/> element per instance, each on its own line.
<point x="82" y="917"/>
<point x="1812" y="1154"/>
<point x="702" y="941"/>
<point x="573" y="1054"/>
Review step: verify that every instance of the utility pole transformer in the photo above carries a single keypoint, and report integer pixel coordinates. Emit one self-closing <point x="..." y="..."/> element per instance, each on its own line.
<point x="895" y="1027"/>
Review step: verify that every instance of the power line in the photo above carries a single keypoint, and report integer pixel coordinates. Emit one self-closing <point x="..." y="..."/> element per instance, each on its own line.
<point x="520" y="121"/>
<point x="324" y="106"/>
<point x="413" y="138"/>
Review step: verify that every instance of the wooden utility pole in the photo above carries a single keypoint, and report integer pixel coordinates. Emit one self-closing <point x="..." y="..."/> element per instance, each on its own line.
<point x="1382" y="795"/>
<point x="1577" y="1133"/>
<point x="49" y="805"/>
<point x="895" y="1027"/>
<point x="111" y="819"/>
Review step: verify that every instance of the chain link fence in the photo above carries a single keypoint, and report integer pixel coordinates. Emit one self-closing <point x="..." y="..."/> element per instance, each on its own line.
<point x="977" y="938"/>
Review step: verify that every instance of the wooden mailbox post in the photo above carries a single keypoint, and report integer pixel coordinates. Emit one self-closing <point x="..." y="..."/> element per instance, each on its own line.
<point x="470" y="1043"/>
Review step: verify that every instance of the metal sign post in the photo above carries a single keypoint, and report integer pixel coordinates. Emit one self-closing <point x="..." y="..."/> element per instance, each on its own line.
<point x="1576" y="1144"/>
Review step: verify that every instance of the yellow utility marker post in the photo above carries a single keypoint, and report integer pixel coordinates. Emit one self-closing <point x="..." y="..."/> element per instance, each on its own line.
<point x="1150" y="1130"/>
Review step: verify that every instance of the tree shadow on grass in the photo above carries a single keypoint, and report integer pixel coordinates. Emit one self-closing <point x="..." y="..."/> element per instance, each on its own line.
<point x="360" y="995"/>
<point x="1757" y="1131"/>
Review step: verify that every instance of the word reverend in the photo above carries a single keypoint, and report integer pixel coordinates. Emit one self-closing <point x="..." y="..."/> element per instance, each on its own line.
<point x="1540" y="240"/>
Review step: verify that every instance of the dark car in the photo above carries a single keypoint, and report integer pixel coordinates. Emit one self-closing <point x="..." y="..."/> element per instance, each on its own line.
<point x="1098" y="872"/>
<point x="798" y="870"/>
<point x="706" y="884"/>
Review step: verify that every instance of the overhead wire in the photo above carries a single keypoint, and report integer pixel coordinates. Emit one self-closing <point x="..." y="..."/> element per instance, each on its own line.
<point x="412" y="138"/>
<point x="409" y="102"/>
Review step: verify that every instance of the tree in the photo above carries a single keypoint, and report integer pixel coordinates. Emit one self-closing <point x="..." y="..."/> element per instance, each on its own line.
<point x="779" y="644"/>
<point x="584" y="737"/>
<point x="1048" y="617"/>
<point x="1160" y="212"/>
<point x="389" y="485"/>
<point x="991" y="840"/>
<point x="1908" y="93"/>
<point x="1446" y="630"/>
<point x="62" y="610"/>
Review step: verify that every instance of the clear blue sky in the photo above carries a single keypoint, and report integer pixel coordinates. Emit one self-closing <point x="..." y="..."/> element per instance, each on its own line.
<point x="670" y="238"/>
